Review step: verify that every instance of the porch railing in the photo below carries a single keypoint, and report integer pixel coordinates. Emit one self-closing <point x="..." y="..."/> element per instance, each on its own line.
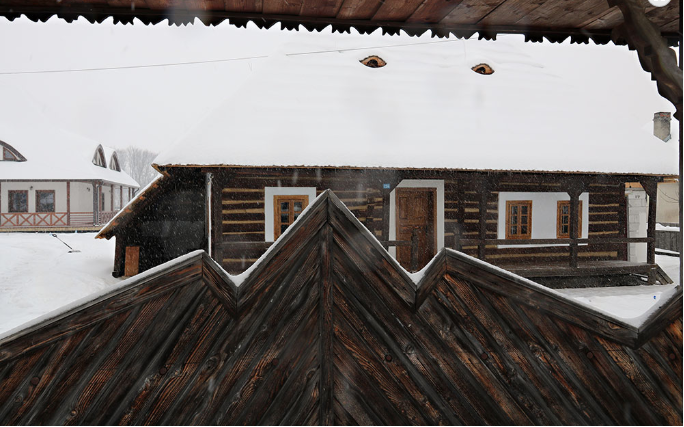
<point x="53" y="219"/>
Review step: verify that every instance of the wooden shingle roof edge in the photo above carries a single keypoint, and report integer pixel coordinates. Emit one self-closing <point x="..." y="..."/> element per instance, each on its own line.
<point x="126" y="214"/>
<point x="237" y="292"/>
<point x="180" y="16"/>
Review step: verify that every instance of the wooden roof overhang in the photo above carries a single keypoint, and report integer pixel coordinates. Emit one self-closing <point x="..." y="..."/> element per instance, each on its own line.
<point x="555" y="20"/>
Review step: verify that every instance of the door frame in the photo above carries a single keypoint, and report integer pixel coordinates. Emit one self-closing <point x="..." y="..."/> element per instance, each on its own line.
<point x="438" y="185"/>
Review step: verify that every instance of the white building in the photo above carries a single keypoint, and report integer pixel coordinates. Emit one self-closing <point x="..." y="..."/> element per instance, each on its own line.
<point x="50" y="178"/>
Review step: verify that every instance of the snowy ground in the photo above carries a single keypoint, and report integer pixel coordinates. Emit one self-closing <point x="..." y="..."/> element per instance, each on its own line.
<point x="38" y="275"/>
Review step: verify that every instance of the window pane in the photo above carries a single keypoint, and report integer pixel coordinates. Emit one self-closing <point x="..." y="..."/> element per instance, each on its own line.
<point x="565" y="209"/>
<point x="514" y="220"/>
<point x="514" y="230"/>
<point x="565" y="220"/>
<point x="284" y="218"/>
<point x="46" y="201"/>
<point x="297" y="206"/>
<point x="523" y="219"/>
<point x="296" y="216"/>
<point x="284" y="206"/>
<point x="283" y="228"/>
<point x="523" y="210"/>
<point x="18" y="201"/>
<point x="564" y="229"/>
<point x="523" y="229"/>
<point x="514" y="210"/>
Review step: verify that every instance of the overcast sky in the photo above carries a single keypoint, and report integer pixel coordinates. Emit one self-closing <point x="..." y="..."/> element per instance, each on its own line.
<point x="137" y="102"/>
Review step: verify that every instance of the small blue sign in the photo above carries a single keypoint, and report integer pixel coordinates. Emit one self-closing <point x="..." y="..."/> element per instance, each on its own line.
<point x="386" y="186"/>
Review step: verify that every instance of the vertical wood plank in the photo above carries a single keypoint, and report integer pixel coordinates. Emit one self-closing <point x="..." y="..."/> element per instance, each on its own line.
<point x="574" y="226"/>
<point x="217" y="185"/>
<point x="385" y="215"/>
<point x="326" y="332"/>
<point x="482" y="235"/>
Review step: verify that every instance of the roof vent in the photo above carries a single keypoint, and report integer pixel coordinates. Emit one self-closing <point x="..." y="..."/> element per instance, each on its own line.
<point x="483" y="69"/>
<point x="373" y="62"/>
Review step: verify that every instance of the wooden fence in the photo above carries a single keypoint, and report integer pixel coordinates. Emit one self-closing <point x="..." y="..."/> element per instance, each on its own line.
<point x="669" y="240"/>
<point x="328" y="329"/>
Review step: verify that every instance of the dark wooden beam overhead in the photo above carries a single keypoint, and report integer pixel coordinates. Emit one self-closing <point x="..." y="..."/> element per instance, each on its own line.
<point x="554" y="20"/>
<point x="655" y="56"/>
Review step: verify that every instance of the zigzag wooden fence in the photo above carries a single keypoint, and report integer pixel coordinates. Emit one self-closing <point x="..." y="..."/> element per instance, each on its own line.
<point x="327" y="329"/>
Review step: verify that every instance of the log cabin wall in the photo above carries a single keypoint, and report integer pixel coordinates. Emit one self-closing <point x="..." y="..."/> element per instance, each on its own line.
<point x="243" y="207"/>
<point x="169" y="224"/>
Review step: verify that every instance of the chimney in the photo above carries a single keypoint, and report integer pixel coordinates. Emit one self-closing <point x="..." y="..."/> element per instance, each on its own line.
<point x="661" y="126"/>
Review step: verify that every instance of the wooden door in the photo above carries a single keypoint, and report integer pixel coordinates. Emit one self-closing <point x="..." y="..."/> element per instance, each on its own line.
<point x="132" y="258"/>
<point x="416" y="210"/>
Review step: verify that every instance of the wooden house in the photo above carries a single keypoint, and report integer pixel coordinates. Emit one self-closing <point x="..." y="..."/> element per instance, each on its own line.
<point x="51" y="179"/>
<point x="430" y="146"/>
<point x="328" y="329"/>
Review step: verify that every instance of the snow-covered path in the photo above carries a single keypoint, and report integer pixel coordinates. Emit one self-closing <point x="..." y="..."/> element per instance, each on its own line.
<point x="38" y="274"/>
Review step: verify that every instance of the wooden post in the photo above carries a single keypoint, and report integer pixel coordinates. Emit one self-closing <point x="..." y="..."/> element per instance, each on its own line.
<point x="414" y="250"/>
<point x="574" y="225"/>
<point x="218" y="182"/>
<point x="385" y="215"/>
<point x="96" y="202"/>
<point x="68" y="201"/>
<point x="651" y="188"/>
<point x="370" y="207"/>
<point x="484" y="188"/>
<point x="207" y="211"/>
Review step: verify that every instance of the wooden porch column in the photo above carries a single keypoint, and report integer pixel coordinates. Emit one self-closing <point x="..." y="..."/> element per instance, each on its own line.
<point x="68" y="185"/>
<point x="651" y="188"/>
<point x="574" y="188"/>
<point x="574" y="226"/>
<point x="484" y="187"/>
<point x="217" y="183"/>
<point x="385" y="215"/>
<point x="96" y="201"/>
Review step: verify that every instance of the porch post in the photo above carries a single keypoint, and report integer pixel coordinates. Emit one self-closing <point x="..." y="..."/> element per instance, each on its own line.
<point x="574" y="188"/>
<point x="96" y="202"/>
<point x="68" y="185"/>
<point x="651" y="188"/>
<point x="207" y="209"/>
<point x="574" y="225"/>
<point x="385" y="215"/>
<point x="485" y="187"/>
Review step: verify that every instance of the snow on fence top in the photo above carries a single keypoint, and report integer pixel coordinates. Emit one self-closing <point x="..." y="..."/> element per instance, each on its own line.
<point x="426" y="108"/>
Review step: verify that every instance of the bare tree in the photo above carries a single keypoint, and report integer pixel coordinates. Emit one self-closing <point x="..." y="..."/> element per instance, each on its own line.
<point x="137" y="162"/>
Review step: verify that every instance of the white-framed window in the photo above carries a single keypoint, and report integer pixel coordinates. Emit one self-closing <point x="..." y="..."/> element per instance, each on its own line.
<point x="543" y="214"/>
<point x="270" y="194"/>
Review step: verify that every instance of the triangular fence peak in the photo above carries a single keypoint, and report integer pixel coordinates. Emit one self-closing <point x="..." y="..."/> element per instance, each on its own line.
<point x="327" y="328"/>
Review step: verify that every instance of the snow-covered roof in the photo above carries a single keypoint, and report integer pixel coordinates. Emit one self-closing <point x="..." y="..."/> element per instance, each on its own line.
<point x="51" y="153"/>
<point x="316" y="106"/>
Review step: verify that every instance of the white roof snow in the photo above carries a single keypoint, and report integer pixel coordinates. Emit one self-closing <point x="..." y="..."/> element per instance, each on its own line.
<point x="51" y="152"/>
<point x="310" y="106"/>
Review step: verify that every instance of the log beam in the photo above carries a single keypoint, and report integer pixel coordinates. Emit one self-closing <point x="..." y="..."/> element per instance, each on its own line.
<point x="654" y="54"/>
